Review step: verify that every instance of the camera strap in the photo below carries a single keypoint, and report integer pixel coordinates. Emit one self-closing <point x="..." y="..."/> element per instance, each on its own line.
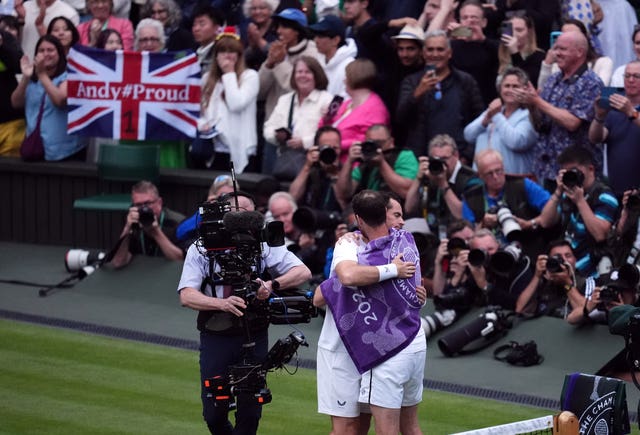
<point x="517" y="354"/>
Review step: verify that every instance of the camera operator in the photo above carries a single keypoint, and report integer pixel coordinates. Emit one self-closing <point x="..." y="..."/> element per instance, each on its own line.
<point x="620" y="288"/>
<point x="626" y="238"/>
<point x="149" y="228"/>
<point x="221" y="349"/>
<point x="554" y="289"/>
<point x="585" y="207"/>
<point x="436" y="193"/>
<point x="382" y="166"/>
<point x="523" y="198"/>
<point x="315" y="184"/>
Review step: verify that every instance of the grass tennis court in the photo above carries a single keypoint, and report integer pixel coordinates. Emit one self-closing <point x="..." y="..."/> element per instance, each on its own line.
<point x="57" y="381"/>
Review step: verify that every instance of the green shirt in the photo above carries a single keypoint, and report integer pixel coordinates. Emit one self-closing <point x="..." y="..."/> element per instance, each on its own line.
<point x="406" y="165"/>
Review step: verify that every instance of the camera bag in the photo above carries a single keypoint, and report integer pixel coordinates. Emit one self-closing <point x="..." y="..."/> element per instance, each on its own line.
<point x="517" y="354"/>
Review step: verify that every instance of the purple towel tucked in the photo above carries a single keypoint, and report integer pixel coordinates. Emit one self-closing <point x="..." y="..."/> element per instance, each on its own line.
<point x="377" y="321"/>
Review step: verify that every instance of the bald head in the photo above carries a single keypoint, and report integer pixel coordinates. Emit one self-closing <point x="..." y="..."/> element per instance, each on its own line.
<point x="571" y="51"/>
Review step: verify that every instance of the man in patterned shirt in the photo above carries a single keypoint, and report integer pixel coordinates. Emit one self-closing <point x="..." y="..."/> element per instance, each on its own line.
<point x="564" y="108"/>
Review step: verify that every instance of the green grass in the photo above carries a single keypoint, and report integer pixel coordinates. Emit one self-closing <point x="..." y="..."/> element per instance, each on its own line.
<point x="56" y="381"/>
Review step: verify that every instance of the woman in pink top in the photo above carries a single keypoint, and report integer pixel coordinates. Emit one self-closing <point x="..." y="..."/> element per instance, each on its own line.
<point x="102" y="19"/>
<point x="364" y="109"/>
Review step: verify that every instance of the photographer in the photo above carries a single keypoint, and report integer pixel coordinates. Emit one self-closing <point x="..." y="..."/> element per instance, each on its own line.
<point x="382" y="166"/>
<point x="625" y="244"/>
<point x="149" y="228"/>
<point x="584" y="206"/>
<point x="620" y="288"/>
<point x="554" y="289"/>
<point x="220" y="348"/>
<point x="436" y="193"/>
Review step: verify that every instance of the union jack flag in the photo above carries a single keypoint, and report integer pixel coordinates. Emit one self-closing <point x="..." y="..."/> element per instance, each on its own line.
<point x="132" y="95"/>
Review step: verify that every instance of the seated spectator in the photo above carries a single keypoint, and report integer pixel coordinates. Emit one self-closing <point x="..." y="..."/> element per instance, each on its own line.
<point x="12" y="123"/>
<point x="601" y="65"/>
<point x="43" y="89"/>
<point x="436" y="192"/>
<point x="475" y="54"/>
<point x="169" y="14"/>
<point x="149" y="228"/>
<point x="363" y="109"/>
<point x="258" y="33"/>
<point x="149" y="36"/>
<point x="294" y="120"/>
<point x="521" y="49"/>
<point x="336" y="51"/>
<point x="506" y="126"/>
<point x="66" y="32"/>
<point x="102" y="18"/>
<point x="555" y="289"/>
<point x="315" y="185"/>
<point x="382" y="166"/>
<point x="276" y="71"/>
<point x="229" y="97"/>
<point x="585" y="207"/>
<point x="35" y="16"/>
<point x="436" y="102"/>
<point x="618" y="126"/>
<point x="109" y="39"/>
<point x="206" y="25"/>
<point x="617" y="79"/>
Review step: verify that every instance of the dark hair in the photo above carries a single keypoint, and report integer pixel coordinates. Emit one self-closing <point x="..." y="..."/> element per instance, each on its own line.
<point x="389" y="195"/>
<point x="476" y="3"/>
<point x="103" y="36"/>
<point x="325" y="129"/>
<point x="557" y="243"/>
<point x="458" y="225"/>
<point x="214" y="14"/>
<point x="62" y="57"/>
<point x="75" y="36"/>
<point x="10" y="21"/>
<point x="575" y="154"/>
<point x="371" y="207"/>
<point x="361" y="73"/>
<point x="592" y="55"/>
<point x="316" y="69"/>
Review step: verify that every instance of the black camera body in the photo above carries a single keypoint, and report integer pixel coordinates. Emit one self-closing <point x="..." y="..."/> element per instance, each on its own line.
<point x="633" y="203"/>
<point x="146" y="216"/>
<point x="555" y="264"/>
<point x="573" y="178"/>
<point x="369" y="149"/>
<point x="609" y="294"/>
<point x="328" y="155"/>
<point x="437" y="165"/>
<point x="489" y="326"/>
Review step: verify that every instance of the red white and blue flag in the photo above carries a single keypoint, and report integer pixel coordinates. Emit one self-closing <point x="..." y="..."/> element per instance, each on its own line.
<point x="132" y="95"/>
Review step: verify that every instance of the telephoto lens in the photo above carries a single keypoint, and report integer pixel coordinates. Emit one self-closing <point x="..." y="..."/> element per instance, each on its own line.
<point x="145" y="216"/>
<point x="455" y="341"/>
<point x="436" y="166"/>
<point x="328" y="155"/>
<point x="76" y="259"/>
<point x="573" y="177"/>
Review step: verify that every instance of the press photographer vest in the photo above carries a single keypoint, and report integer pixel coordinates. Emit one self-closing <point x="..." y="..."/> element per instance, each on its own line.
<point x="514" y="196"/>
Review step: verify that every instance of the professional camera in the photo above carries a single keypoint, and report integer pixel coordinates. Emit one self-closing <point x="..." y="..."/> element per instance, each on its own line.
<point x="309" y="220"/>
<point x="250" y="378"/>
<point x="609" y="294"/>
<point x="573" y="178"/>
<point x="328" y="155"/>
<point x="503" y="261"/>
<point x="290" y="307"/>
<point x="455" y="245"/>
<point x="459" y="298"/>
<point x="82" y="261"/>
<point x="633" y="203"/>
<point x="555" y="264"/>
<point x="145" y="216"/>
<point x="436" y="165"/>
<point x="369" y="149"/>
<point x="508" y="224"/>
<point x="490" y="326"/>
<point x="477" y="257"/>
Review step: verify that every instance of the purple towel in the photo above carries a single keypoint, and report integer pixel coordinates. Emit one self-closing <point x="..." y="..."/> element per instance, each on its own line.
<point x="378" y="321"/>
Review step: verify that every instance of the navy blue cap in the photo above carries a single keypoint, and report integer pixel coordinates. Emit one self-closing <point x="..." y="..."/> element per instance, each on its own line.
<point x="329" y="25"/>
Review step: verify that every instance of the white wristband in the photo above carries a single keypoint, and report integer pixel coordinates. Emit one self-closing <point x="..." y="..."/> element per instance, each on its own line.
<point x="387" y="271"/>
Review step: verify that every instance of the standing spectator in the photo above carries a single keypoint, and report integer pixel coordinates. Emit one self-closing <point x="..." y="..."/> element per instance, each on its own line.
<point x="617" y="79"/>
<point x="229" y="97"/>
<point x="109" y="39"/>
<point x="259" y="32"/>
<point x="275" y="73"/>
<point x="620" y="130"/>
<point x="562" y="121"/>
<point x="505" y="125"/>
<point x="168" y="13"/>
<point x="36" y="16"/>
<point x="437" y="14"/>
<point x="336" y="51"/>
<point x="543" y="13"/>
<point x="206" y="24"/>
<point x="521" y="49"/>
<point x="66" y="32"/>
<point x="12" y="123"/>
<point x="43" y="87"/>
<point x="438" y="100"/>
<point x="294" y="120"/>
<point x="102" y="18"/>
<point x="364" y="109"/>
<point x="618" y="22"/>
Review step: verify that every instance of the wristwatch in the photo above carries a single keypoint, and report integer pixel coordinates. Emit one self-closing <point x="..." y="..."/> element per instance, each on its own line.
<point x="634" y="115"/>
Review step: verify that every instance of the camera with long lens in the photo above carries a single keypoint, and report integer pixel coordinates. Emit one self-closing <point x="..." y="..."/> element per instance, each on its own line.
<point x="328" y="155"/>
<point x="310" y="220"/>
<point x="488" y="326"/>
<point x="369" y="149"/>
<point x="250" y="378"/>
<point x="436" y="165"/>
<point x="455" y="245"/>
<point x="146" y="216"/>
<point x="503" y="261"/>
<point x="477" y="257"/>
<point x="508" y="225"/>
<point x="573" y="178"/>
<point x="83" y="262"/>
